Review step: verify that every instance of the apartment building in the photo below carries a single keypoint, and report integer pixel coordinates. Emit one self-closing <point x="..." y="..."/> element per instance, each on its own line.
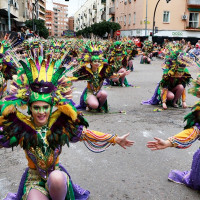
<point x="178" y="18"/>
<point x="41" y="7"/>
<point x="71" y="23"/>
<point x="29" y="10"/>
<point x="93" y="11"/>
<point x="60" y="18"/>
<point x="50" y="22"/>
<point x="20" y="11"/>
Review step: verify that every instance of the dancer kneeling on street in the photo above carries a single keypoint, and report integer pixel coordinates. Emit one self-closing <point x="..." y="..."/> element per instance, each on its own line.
<point x="184" y="140"/>
<point x="43" y="134"/>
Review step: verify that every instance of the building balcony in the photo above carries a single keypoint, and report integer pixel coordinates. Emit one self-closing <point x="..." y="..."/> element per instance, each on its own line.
<point x="112" y="11"/>
<point x="195" y="3"/>
<point x="192" y="29"/>
<point x="42" y="11"/>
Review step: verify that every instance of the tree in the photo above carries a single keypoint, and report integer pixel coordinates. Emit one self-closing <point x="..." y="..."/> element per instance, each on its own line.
<point x="40" y="25"/>
<point x="100" y="29"/>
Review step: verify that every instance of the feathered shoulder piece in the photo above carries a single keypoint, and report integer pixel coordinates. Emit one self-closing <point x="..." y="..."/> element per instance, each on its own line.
<point x="192" y="117"/>
<point x="16" y="128"/>
<point x="83" y="72"/>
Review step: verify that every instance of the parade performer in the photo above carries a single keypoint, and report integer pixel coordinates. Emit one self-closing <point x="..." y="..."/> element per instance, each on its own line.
<point x="184" y="140"/>
<point x="44" y="132"/>
<point x="131" y="50"/>
<point x="174" y="80"/>
<point x="7" y="66"/>
<point x="118" y="60"/>
<point x="95" y="71"/>
<point x="147" y="52"/>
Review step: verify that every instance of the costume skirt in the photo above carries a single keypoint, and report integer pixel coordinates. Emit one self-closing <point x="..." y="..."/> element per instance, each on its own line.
<point x="189" y="178"/>
<point x="31" y="180"/>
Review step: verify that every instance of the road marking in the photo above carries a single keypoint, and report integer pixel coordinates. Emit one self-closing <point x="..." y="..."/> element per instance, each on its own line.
<point x="161" y="132"/>
<point x="146" y="134"/>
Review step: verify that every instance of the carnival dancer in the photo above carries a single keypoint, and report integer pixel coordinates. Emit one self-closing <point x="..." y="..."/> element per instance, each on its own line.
<point x="131" y="50"/>
<point x="118" y="60"/>
<point x="44" y="132"/>
<point x="7" y="66"/>
<point x="147" y="52"/>
<point x="174" y="80"/>
<point x="95" y="71"/>
<point x="184" y="140"/>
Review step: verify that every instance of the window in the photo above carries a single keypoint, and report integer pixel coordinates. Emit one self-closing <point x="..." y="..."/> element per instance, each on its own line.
<point x="134" y="17"/>
<point x="129" y="20"/>
<point x="194" y="20"/>
<point x="124" y="20"/>
<point x="117" y="2"/>
<point x="116" y="19"/>
<point x="166" y="17"/>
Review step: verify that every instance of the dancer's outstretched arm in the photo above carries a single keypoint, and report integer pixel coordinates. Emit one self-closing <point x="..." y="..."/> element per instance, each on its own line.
<point x="123" y="141"/>
<point x="159" y="144"/>
<point x="182" y="140"/>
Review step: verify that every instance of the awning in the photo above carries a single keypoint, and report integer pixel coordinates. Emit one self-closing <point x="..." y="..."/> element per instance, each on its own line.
<point x="194" y="9"/>
<point x="4" y="14"/>
<point x="20" y="23"/>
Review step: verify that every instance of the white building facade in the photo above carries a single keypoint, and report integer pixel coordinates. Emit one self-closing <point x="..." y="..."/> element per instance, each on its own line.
<point x="93" y="11"/>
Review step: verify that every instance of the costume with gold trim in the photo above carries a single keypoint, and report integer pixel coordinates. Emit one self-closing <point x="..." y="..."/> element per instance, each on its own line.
<point x="40" y="80"/>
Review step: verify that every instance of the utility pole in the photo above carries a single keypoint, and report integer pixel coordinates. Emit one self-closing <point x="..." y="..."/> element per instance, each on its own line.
<point x="146" y="18"/>
<point x="34" y="8"/>
<point x="9" y="23"/>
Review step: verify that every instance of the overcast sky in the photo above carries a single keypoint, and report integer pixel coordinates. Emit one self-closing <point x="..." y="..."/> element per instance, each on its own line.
<point x="73" y="5"/>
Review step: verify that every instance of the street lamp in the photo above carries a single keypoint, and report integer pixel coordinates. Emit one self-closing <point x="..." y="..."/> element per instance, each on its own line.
<point x="155" y="15"/>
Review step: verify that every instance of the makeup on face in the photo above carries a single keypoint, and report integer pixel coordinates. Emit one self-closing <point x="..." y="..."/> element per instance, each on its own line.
<point x="41" y="109"/>
<point x="96" y="61"/>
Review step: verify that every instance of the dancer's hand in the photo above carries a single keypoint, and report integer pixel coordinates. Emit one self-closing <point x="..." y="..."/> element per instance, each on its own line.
<point x="158" y="144"/>
<point x="164" y="106"/>
<point x="123" y="142"/>
<point x="184" y="105"/>
<point x="127" y="72"/>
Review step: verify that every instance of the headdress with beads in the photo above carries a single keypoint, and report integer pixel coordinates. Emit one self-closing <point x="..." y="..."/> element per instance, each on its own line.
<point x="91" y="52"/>
<point x="41" y="82"/>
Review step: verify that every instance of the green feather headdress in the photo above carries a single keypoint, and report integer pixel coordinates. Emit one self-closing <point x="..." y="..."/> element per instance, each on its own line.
<point x="41" y="82"/>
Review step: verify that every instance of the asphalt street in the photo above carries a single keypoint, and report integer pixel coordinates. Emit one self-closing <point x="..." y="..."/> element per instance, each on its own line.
<point x="136" y="173"/>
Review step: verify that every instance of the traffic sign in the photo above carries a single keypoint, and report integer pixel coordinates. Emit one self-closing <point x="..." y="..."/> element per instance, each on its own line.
<point x="118" y="32"/>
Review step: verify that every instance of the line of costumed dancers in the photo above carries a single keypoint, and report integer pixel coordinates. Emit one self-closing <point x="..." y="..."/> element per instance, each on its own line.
<point x="40" y="74"/>
<point x="40" y="84"/>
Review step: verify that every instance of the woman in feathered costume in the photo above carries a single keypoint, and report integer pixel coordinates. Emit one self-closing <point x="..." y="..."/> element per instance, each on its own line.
<point x="174" y="80"/>
<point x="147" y="52"/>
<point x="184" y="140"/>
<point x="118" y="60"/>
<point x="131" y="50"/>
<point x="43" y="134"/>
<point x="95" y="71"/>
<point x="7" y="66"/>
